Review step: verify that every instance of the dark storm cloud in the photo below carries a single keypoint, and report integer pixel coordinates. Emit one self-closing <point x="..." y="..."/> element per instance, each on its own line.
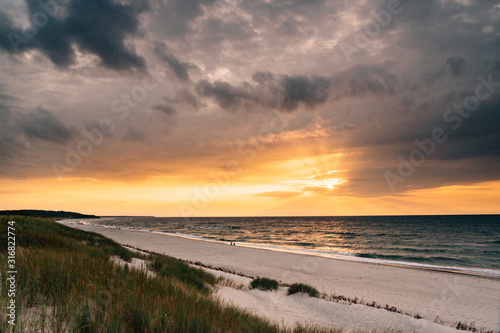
<point x="274" y="91"/>
<point x="179" y="68"/>
<point x="286" y="92"/>
<point x="368" y="182"/>
<point x="299" y="89"/>
<point x="98" y="27"/>
<point x="18" y="132"/>
<point x="185" y="97"/>
<point x="166" y="109"/>
<point x="475" y="135"/>
<point x="42" y="124"/>
<point x="457" y="64"/>
<point x="478" y="135"/>
<point x="6" y="28"/>
<point x="93" y="125"/>
<point x="227" y="96"/>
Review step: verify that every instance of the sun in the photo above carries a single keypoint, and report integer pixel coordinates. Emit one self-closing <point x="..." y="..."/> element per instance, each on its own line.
<point x="328" y="183"/>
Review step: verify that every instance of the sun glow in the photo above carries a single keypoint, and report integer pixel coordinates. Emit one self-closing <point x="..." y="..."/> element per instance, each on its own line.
<point x="320" y="180"/>
<point x="329" y="183"/>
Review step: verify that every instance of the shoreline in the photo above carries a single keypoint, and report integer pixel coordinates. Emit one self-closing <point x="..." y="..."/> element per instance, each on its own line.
<point x="434" y="295"/>
<point x="467" y="271"/>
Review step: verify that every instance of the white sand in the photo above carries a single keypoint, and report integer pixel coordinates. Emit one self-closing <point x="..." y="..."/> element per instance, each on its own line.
<point x="449" y="296"/>
<point x="300" y="308"/>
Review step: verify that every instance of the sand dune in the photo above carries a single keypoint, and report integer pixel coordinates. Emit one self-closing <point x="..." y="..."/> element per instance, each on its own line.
<point x="300" y="308"/>
<point x="449" y="297"/>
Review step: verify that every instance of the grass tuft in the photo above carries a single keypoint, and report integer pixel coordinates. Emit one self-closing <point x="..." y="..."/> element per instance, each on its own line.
<point x="303" y="288"/>
<point x="471" y="327"/>
<point x="264" y="284"/>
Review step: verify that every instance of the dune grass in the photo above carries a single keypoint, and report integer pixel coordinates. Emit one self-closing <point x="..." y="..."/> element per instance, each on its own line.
<point x="66" y="282"/>
<point x="43" y="233"/>
<point x="303" y="288"/>
<point x="264" y="284"/>
<point x="175" y="268"/>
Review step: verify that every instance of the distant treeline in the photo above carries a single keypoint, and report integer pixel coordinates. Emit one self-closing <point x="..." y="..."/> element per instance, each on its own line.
<point x="47" y="214"/>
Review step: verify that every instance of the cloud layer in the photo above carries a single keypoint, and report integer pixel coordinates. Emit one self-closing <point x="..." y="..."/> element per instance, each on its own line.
<point x="260" y="82"/>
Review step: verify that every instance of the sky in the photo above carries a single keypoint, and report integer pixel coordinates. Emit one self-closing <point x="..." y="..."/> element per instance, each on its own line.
<point x="250" y="107"/>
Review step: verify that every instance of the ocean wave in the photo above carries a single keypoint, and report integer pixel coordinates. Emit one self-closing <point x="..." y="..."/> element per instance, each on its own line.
<point x="342" y="233"/>
<point x="412" y="249"/>
<point x="409" y="258"/>
<point x="306" y="244"/>
<point x="222" y="227"/>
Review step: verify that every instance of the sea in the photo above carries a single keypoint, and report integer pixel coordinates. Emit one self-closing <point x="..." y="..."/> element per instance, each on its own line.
<point x="467" y="243"/>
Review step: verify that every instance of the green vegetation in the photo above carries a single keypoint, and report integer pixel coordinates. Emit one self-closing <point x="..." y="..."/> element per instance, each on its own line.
<point x="264" y="284"/>
<point x="175" y="268"/>
<point x="66" y="282"/>
<point x="47" y="214"/>
<point x="33" y="233"/>
<point x="303" y="288"/>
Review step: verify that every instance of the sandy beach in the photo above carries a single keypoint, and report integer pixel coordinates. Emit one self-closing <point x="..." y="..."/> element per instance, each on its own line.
<point x="436" y="296"/>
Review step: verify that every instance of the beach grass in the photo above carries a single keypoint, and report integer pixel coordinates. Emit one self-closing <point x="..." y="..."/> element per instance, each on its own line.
<point x="66" y="282"/>
<point x="264" y="284"/>
<point x="303" y="288"/>
<point x="175" y="268"/>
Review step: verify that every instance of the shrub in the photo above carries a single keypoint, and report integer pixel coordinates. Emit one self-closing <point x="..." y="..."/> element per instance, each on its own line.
<point x="303" y="288"/>
<point x="264" y="284"/>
